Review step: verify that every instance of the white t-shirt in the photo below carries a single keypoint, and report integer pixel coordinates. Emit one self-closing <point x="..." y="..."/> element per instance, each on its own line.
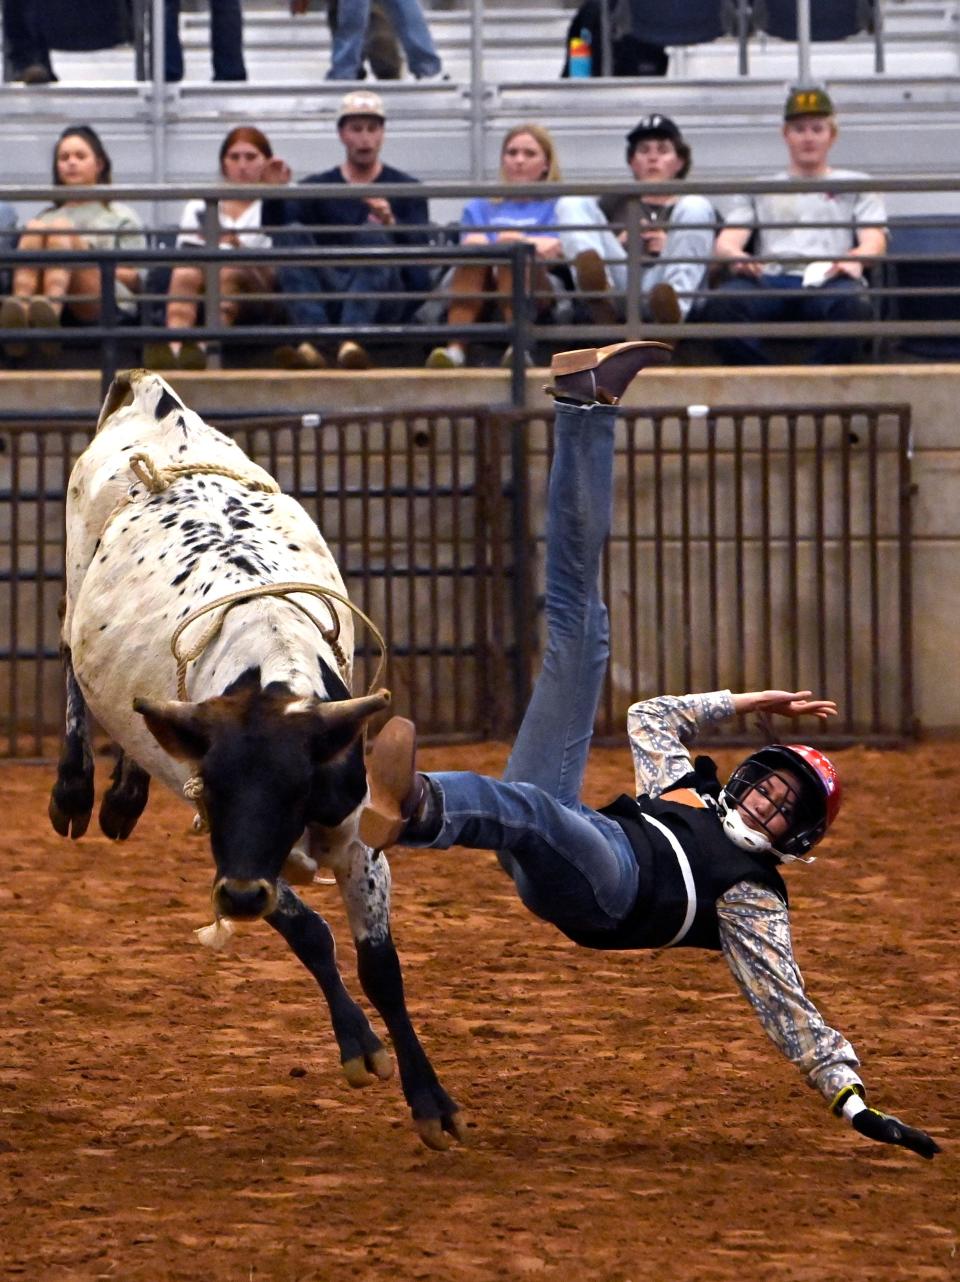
<point x="247" y="225"/>
<point x="795" y="241"/>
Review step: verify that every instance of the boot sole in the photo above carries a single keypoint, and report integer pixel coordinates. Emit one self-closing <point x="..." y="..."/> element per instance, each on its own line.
<point x="587" y="358"/>
<point x="390" y="771"/>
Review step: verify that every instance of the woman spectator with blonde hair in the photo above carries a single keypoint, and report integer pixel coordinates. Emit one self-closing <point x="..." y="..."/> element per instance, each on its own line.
<point x="243" y="153"/>
<point x="527" y="155"/>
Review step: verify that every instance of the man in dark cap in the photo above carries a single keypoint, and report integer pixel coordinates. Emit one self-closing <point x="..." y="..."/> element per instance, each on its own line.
<point x="810" y="247"/>
<point x="676" y="231"/>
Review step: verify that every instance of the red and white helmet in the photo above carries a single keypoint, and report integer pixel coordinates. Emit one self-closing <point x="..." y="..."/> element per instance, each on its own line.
<point x="810" y="813"/>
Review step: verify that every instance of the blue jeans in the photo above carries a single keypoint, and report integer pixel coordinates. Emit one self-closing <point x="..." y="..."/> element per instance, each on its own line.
<point x="226" y="40"/>
<point x="351" y="33"/>
<point x="571" y="866"/>
<point x="743" y="298"/>
<point x="380" y="281"/>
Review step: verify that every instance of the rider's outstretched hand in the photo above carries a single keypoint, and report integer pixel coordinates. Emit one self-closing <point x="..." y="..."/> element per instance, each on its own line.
<point x="788" y="703"/>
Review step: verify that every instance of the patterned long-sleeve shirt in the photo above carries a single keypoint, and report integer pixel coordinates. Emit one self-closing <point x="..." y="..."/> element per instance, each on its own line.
<point x="753" y="921"/>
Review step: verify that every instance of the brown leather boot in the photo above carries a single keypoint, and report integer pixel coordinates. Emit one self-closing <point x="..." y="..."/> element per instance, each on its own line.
<point x="601" y="375"/>
<point x="397" y="791"/>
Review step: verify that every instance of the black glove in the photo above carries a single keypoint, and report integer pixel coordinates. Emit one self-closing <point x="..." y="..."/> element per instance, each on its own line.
<point x="890" y="1130"/>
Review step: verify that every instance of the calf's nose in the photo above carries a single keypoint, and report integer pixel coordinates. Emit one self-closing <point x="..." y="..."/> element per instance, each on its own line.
<point x="244" y="899"/>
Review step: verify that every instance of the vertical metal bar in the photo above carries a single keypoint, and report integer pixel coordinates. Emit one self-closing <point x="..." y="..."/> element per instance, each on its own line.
<point x="905" y="533"/>
<point x="16" y="489"/>
<point x="211" y="270"/>
<point x="713" y="576"/>
<point x="109" y="317"/>
<point x="686" y="586"/>
<point x="632" y="595"/>
<point x="364" y="569"/>
<point x="158" y="97"/>
<point x="873" y="554"/>
<point x="766" y="577"/>
<point x="658" y="554"/>
<point x="739" y="555"/>
<point x="633" y="299"/>
<point x="39" y="622"/>
<point x="521" y="259"/>
<point x="793" y="554"/>
<point x="432" y="529"/>
<point x="879" y="53"/>
<point x="606" y="39"/>
<point x="413" y="631"/>
<point x="477" y="103"/>
<point x="460" y="659"/>
<point x="743" y="37"/>
<point x="846" y="568"/>
<point x="803" y="42"/>
<point x="820" y="576"/>
<point x="524" y="623"/>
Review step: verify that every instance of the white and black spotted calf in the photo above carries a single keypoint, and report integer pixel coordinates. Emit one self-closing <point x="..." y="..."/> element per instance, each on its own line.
<point x="268" y="723"/>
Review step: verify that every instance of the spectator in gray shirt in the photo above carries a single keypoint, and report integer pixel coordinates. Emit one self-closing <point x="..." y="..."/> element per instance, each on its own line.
<point x="818" y="270"/>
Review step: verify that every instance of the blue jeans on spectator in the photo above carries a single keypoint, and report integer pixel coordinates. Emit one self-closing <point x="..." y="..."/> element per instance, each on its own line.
<point x="744" y="298"/>
<point x="379" y="281"/>
<point x="226" y="40"/>
<point x="571" y="865"/>
<point x="409" y="23"/>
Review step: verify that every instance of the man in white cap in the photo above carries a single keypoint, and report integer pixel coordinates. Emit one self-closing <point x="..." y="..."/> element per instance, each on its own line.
<point x="362" y="223"/>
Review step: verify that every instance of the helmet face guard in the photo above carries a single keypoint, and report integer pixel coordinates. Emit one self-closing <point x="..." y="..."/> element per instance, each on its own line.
<point x="810" y="801"/>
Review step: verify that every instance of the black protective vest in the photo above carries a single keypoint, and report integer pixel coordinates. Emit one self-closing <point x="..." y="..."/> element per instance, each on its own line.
<point x="664" y="899"/>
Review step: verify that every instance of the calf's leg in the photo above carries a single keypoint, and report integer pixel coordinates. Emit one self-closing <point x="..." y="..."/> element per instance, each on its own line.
<point x="71" y="798"/>
<point x="362" y="1053"/>
<point x="124" y="801"/>
<point x="364" y="883"/>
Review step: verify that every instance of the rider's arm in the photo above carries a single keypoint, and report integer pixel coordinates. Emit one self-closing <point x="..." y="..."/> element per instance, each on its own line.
<point x="659" y="730"/>
<point x="755" y="937"/>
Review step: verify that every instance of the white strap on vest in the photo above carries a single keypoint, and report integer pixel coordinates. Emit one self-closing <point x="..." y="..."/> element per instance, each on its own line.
<point x="686" y="872"/>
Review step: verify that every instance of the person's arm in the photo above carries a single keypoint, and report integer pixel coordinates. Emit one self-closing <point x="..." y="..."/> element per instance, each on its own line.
<point x="755" y="938"/>
<point x="659" y="729"/>
<point x="871" y="241"/>
<point x="731" y="242"/>
<point x="279" y="212"/>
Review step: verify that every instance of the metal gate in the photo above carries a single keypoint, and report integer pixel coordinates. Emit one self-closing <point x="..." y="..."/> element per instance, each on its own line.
<point x="751" y="548"/>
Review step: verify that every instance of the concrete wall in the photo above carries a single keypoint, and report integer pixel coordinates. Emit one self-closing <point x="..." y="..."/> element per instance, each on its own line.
<point x="932" y="391"/>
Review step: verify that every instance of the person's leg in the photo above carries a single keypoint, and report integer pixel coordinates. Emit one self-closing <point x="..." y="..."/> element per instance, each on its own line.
<point x="554" y="737"/>
<point x="839" y="299"/>
<point x="226" y="40"/>
<point x="414" y="34"/>
<point x="349" y="34"/>
<point x="687" y="252"/>
<point x="172" y="48"/>
<point x="25" y="45"/>
<point x="742" y="299"/>
<point x="582" y="228"/>
<point x="466" y="288"/>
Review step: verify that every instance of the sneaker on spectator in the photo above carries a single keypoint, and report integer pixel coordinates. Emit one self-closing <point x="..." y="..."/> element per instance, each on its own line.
<point x="352" y="356"/>
<point x="38" y="73"/>
<point x="435" y="78"/>
<point x="192" y="356"/>
<point x="304" y="356"/>
<point x="447" y="358"/>
<point x="159" y="356"/>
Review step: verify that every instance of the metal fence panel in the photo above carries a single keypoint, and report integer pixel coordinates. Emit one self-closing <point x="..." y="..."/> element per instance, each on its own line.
<point x="751" y="548"/>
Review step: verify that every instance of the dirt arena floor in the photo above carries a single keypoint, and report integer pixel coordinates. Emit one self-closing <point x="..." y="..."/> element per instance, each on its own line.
<point x="171" y="1114"/>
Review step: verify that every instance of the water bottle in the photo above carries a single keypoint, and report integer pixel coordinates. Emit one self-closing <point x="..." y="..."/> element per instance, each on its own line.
<point x="581" y="59"/>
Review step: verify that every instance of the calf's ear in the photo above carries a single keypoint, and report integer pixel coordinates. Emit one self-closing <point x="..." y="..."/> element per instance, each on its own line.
<point x="337" y="724"/>
<point x="181" y="729"/>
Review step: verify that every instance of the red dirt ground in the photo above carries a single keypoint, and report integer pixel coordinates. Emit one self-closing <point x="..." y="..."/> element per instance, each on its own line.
<point x="168" y="1114"/>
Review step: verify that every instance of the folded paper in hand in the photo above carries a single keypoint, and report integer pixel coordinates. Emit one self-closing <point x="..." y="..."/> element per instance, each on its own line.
<point x="816" y="273"/>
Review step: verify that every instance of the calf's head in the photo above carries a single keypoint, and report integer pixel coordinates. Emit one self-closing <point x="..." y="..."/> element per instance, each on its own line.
<point x="270" y="763"/>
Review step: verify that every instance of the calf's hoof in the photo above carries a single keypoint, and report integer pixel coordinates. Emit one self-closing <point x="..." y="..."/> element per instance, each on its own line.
<point x="71" y="806"/>
<point x="362" y="1070"/>
<point x="439" y="1133"/>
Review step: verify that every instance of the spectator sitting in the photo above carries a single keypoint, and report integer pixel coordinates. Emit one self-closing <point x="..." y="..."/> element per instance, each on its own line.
<point x="40" y="293"/>
<point x="527" y="155"/>
<point x="790" y="229"/>
<point x="676" y="231"/>
<point x="243" y="154"/>
<point x="368" y="223"/>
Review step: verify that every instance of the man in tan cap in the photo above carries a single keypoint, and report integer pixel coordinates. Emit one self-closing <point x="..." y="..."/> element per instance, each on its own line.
<point x="362" y="223"/>
<point x="817" y="244"/>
